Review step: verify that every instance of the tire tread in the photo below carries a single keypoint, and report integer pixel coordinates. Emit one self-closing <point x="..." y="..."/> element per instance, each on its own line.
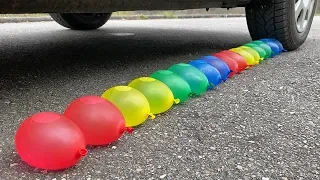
<point x="270" y="19"/>
<point x="75" y="22"/>
<point x="58" y="18"/>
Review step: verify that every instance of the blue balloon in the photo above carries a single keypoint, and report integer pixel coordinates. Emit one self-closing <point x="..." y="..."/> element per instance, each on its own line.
<point x="211" y="72"/>
<point x="278" y="43"/>
<point x="220" y="65"/>
<point x="275" y="48"/>
<point x="198" y="61"/>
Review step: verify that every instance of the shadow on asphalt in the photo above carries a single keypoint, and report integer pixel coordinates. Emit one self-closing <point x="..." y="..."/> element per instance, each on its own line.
<point x="70" y="52"/>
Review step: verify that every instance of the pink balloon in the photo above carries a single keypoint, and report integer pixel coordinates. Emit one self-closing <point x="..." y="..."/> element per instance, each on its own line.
<point x="50" y="141"/>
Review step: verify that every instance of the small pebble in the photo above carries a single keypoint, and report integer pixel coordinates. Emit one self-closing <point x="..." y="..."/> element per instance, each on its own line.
<point x="311" y="123"/>
<point x="163" y="176"/>
<point x="14" y="164"/>
<point x="239" y="167"/>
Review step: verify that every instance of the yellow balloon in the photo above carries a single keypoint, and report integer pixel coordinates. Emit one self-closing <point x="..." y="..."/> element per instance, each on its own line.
<point x="159" y="95"/>
<point x="133" y="105"/>
<point x="246" y="55"/>
<point x="253" y="52"/>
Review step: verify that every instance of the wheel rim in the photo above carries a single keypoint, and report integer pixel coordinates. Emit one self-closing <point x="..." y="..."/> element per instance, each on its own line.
<point x="303" y="13"/>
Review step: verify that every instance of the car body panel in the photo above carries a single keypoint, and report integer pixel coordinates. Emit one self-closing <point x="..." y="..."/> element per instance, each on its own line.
<point x="103" y="6"/>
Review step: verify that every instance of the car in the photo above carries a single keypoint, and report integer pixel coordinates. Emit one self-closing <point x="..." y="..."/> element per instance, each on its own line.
<point x="288" y="21"/>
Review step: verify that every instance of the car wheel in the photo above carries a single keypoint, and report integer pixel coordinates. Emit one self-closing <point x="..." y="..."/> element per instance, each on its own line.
<point x="81" y="21"/>
<point x="289" y="21"/>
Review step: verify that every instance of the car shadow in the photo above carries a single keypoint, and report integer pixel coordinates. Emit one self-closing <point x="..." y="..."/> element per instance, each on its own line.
<point x="66" y="53"/>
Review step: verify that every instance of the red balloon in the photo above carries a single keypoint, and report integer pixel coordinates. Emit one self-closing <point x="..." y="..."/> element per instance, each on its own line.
<point x="50" y="141"/>
<point x="233" y="65"/>
<point x="242" y="63"/>
<point x="100" y="121"/>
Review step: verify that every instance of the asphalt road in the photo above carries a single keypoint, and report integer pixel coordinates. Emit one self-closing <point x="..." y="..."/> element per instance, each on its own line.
<point x="261" y="124"/>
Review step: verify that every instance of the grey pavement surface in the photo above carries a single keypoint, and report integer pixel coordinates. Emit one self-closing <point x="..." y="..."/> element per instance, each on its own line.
<point x="261" y="124"/>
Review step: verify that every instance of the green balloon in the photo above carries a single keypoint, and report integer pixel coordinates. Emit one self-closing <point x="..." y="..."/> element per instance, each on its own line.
<point x="260" y="51"/>
<point x="251" y="45"/>
<point x="264" y="46"/>
<point x="197" y="81"/>
<point x="179" y="87"/>
<point x="267" y="49"/>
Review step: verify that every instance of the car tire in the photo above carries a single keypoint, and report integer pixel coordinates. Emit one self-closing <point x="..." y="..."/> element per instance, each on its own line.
<point x="81" y="21"/>
<point x="277" y="19"/>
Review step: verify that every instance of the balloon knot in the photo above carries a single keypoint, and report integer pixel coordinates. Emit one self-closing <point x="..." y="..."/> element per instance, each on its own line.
<point x="211" y="86"/>
<point x="192" y="94"/>
<point x="176" y="101"/>
<point x="83" y="152"/>
<point x="129" y="130"/>
<point x="152" y="116"/>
